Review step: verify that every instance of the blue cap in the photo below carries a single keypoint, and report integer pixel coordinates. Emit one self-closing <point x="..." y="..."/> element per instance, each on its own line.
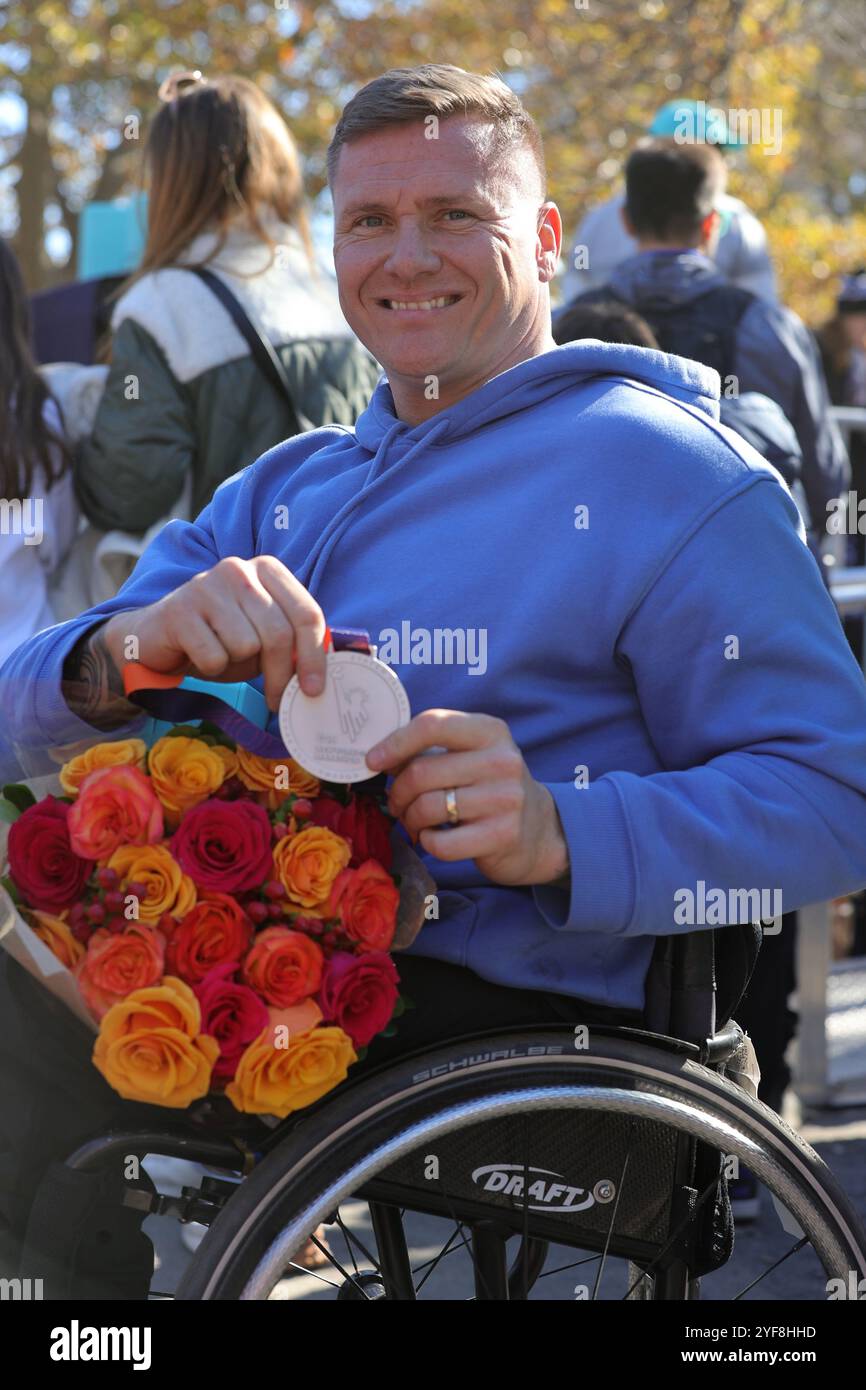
<point x="694" y="122"/>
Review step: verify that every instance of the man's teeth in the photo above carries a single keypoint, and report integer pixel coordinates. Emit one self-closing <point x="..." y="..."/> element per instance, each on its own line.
<point x="422" y="303"/>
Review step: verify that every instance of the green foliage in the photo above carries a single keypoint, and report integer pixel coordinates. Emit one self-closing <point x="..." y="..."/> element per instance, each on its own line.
<point x="20" y="796"/>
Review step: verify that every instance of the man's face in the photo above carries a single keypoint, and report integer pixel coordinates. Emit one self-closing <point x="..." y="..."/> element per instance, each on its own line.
<point x="442" y="259"/>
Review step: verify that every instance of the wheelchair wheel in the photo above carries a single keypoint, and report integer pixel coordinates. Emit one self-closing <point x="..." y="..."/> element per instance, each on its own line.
<point x="556" y="1172"/>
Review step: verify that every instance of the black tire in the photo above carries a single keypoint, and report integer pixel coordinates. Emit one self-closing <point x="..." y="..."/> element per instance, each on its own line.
<point x="349" y="1133"/>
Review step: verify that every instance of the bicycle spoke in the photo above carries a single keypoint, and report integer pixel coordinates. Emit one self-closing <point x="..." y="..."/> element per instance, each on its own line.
<point x="446" y="1250"/>
<point x="781" y="1260"/>
<point x="351" y="1238"/>
<point x="609" y="1235"/>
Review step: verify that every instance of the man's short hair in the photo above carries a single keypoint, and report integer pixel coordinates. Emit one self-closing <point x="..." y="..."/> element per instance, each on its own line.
<point x="671" y="189"/>
<point x="402" y="95"/>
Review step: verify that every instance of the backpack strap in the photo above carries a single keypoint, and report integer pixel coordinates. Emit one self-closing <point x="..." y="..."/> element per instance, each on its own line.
<point x="264" y="353"/>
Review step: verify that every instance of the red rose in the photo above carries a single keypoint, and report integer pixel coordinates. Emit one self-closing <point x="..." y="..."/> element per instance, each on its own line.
<point x="214" y="931"/>
<point x="361" y="822"/>
<point x="366" y="901"/>
<point x="359" y="993"/>
<point x="232" y="1013"/>
<point x="47" y="872"/>
<point x="225" y="845"/>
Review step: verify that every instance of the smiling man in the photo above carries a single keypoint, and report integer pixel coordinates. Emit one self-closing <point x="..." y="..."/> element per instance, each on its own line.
<point x="668" y="698"/>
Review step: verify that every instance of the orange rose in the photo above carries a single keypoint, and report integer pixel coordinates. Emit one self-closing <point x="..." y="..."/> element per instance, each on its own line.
<point x="272" y="1079"/>
<point x="116" y="806"/>
<point x="131" y="751"/>
<point x="58" y="938"/>
<point x="150" y="1049"/>
<point x="215" y="931"/>
<point x="168" y="888"/>
<point x="366" y="900"/>
<point x="283" y="966"/>
<point x="116" y="963"/>
<point x="308" y="863"/>
<point x="184" y="771"/>
<point x="275" y="778"/>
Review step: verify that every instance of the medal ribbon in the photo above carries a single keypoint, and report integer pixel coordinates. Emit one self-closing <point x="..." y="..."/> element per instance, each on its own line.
<point x="164" y="697"/>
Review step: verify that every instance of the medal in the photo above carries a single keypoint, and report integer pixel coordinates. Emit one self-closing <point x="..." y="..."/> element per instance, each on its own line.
<point x="330" y="734"/>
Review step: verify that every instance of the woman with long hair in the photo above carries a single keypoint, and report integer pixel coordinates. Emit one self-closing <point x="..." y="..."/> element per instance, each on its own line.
<point x="187" y="403"/>
<point x="38" y="512"/>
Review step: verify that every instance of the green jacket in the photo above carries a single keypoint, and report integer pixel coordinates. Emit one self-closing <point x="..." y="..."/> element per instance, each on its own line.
<point x="184" y="399"/>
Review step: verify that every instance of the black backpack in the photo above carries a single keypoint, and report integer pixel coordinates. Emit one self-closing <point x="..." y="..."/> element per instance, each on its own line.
<point x="703" y="328"/>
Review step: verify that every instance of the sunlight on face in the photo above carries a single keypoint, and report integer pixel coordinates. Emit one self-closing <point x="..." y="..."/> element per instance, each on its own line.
<point x="443" y="258"/>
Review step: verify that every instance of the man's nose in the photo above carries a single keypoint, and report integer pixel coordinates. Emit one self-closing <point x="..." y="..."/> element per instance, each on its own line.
<point x="411" y="252"/>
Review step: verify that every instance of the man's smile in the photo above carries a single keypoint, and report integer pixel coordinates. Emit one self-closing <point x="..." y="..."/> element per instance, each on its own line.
<point x="443" y="301"/>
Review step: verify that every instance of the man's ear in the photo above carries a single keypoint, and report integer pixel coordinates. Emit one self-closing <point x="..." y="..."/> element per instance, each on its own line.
<point x="627" y="222"/>
<point x="549" y="242"/>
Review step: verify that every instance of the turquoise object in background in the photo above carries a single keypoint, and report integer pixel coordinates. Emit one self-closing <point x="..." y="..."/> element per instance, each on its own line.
<point x="111" y="237"/>
<point x="240" y="696"/>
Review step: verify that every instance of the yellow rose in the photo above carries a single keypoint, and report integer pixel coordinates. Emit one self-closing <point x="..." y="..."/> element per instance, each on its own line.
<point x="150" y="1049"/>
<point x="229" y="758"/>
<point x="308" y="863"/>
<point x="127" y="750"/>
<point x="168" y="887"/>
<point x="271" y="776"/>
<point x="183" y="772"/>
<point x="58" y="938"/>
<point x="275" y="1080"/>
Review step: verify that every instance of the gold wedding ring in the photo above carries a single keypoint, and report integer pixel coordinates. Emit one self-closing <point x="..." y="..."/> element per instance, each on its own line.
<point x="451" y="807"/>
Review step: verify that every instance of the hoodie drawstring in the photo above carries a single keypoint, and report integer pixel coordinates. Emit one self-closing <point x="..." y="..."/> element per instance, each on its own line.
<point x="321" y="553"/>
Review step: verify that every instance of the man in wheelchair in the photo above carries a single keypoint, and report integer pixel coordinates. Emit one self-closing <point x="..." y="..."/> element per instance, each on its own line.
<point x="668" y="700"/>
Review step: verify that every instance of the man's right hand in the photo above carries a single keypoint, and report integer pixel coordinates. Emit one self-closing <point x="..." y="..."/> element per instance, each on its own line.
<point x="241" y="619"/>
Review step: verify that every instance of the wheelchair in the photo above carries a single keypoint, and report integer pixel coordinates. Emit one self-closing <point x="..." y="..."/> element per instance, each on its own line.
<point x="548" y="1167"/>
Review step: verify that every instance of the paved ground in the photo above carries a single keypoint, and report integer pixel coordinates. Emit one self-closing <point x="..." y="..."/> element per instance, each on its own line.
<point x="839" y="1136"/>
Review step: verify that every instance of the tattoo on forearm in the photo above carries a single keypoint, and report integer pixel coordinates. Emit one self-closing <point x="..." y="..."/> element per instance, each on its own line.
<point x="92" y="685"/>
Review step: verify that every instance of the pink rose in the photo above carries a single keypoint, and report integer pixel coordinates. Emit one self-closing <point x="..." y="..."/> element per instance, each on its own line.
<point x="225" y="845"/>
<point x="359" y="993"/>
<point x="116" y="806"/>
<point x="230" y="1012"/>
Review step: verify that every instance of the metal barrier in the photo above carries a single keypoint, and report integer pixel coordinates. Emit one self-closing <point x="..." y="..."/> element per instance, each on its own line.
<point x="831" y="1044"/>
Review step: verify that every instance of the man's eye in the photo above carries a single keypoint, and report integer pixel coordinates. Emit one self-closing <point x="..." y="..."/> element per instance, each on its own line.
<point x="457" y="212"/>
<point x="370" y="217"/>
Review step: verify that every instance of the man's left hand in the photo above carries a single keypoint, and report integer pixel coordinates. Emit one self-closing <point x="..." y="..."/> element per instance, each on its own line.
<point x="508" y="822"/>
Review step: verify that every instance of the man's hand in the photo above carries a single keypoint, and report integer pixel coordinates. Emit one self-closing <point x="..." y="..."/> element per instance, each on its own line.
<point x="508" y="822"/>
<point x="236" y="621"/>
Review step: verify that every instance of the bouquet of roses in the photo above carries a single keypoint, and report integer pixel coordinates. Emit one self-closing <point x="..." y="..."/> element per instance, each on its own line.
<point x="225" y="920"/>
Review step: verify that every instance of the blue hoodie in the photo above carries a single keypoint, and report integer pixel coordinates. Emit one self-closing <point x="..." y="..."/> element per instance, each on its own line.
<point x="638" y="604"/>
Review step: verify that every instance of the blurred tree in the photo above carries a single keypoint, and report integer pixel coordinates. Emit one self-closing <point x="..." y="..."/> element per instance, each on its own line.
<point x="591" y="71"/>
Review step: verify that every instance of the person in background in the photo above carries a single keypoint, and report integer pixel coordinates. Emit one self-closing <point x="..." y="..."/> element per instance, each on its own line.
<point x="186" y="404"/>
<point x="672" y="194"/>
<point x="602" y="241"/>
<point x="609" y="320"/>
<point x="38" y="513"/>
<point x="842" y="341"/>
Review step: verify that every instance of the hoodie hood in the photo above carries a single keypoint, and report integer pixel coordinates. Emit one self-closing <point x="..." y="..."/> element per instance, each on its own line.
<point x="666" y="278"/>
<point x="536" y="380"/>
